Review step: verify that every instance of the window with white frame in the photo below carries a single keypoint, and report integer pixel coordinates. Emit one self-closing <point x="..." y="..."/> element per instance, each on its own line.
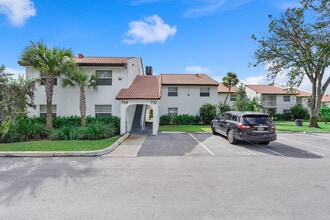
<point x="286" y="98"/>
<point x="204" y="92"/>
<point x="43" y="110"/>
<point x="232" y="97"/>
<point x="172" y="91"/>
<point x="43" y="79"/>
<point x="173" y="112"/>
<point x="104" y="77"/>
<point x="103" y="110"/>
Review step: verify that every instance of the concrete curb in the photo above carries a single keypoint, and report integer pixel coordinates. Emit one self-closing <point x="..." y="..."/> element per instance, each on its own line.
<point x="65" y="153"/>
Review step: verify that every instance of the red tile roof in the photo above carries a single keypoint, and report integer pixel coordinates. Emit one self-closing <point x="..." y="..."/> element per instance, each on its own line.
<point x="223" y="89"/>
<point x="303" y="93"/>
<point x="277" y="90"/>
<point x="187" y="79"/>
<point x="326" y="98"/>
<point x="101" y="61"/>
<point x="143" y="87"/>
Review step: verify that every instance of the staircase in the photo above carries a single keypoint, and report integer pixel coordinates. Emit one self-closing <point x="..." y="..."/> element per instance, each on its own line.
<point x="137" y="118"/>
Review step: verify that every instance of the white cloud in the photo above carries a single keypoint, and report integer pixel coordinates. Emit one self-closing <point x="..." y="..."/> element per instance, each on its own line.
<point x="17" y="11"/>
<point x="151" y="29"/>
<point x="255" y="80"/>
<point x="213" y="6"/>
<point x="199" y="69"/>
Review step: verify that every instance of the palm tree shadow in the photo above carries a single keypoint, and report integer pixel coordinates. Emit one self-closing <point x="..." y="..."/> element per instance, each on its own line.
<point x="23" y="177"/>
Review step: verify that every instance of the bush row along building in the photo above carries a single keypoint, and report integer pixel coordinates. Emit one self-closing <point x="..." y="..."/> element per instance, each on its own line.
<point x="127" y="91"/>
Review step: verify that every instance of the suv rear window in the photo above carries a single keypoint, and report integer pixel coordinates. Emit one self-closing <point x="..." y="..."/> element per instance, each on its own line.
<point x="256" y="119"/>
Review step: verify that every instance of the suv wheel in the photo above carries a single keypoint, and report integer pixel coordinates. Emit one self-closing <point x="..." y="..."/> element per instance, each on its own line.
<point x="231" y="138"/>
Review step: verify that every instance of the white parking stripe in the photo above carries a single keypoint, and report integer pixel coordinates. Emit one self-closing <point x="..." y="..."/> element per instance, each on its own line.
<point x="208" y="150"/>
<point x="305" y="144"/>
<point x="267" y="149"/>
<point x="274" y="152"/>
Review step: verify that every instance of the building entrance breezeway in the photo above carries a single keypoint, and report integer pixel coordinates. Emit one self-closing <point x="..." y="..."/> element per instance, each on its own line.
<point x="129" y="109"/>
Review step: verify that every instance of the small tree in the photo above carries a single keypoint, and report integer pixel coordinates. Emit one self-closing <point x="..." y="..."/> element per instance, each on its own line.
<point x="207" y="113"/>
<point x="241" y="99"/>
<point x="78" y="78"/>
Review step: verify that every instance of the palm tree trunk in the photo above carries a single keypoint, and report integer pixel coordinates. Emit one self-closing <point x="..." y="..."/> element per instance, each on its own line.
<point x="49" y="86"/>
<point x="82" y="106"/>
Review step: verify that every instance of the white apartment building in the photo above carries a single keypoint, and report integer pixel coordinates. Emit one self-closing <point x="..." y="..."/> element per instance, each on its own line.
<point x="127" y="91"/>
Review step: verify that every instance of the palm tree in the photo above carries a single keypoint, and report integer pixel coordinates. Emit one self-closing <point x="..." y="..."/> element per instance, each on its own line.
<point x="229" y="81"/>
<point x="80" y="79"/>
<point x="49" y="61"/>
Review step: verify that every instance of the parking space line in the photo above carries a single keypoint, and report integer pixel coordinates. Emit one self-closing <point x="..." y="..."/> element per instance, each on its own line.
<point x="274" y="152"/>
<point x="205" y="148"/>
<point x="305" y="144"/>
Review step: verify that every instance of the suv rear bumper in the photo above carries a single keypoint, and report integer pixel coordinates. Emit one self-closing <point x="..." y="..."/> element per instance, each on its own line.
<point x="255" y="138"/>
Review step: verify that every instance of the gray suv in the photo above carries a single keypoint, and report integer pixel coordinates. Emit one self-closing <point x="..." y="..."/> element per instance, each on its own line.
<point x="245" y="126"/>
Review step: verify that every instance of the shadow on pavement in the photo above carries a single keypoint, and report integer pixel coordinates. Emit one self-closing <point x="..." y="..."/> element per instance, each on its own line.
<point x="18" y="175"/>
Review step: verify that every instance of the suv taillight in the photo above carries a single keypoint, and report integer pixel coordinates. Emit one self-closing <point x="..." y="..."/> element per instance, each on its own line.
<point x="240" y="126"/>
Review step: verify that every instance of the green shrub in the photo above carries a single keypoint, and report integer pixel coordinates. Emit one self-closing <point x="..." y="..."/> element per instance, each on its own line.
<point x="165" y="120"/>
<point x="23" y="130"/>
<point x="278" y="117"/>
<point x="96" y="131"/>
<point x="287" y="116"/>
<point x="207" y="113"/>
<point x="299" y="112"/>
<point x="65" y="133"/>
<point x="184" y="119"/>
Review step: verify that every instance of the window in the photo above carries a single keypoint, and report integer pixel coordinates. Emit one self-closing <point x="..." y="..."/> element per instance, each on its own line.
<point x="172" y="91"/>
<point x="43" y="80"/>
<point x="286" y="98"/>
<point x="286" y="111"/>
<point x="104" y="77"/>
<point x="102" y="110"/>
<point x="172" y="112"/>
<point x="205" y="92"/>
<point x="232" y="97"/>
<point x="43" y="110"/>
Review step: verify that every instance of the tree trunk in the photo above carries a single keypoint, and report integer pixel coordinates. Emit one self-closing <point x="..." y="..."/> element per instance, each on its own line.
<point x="313" y="121"/>
<point x="82" y="106"/>
<point x="49" y="86"/>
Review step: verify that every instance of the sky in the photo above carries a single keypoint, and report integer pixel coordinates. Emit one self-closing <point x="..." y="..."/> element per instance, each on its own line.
<point x="172" y="36"/>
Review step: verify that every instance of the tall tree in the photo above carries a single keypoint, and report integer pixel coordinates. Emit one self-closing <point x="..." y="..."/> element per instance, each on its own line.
<point x="78" y="78"/>
<point x="49" y="61"/>
<point x="299" y="48"/>
<point x="16" y="95"/>
<point x="229" y="81"/>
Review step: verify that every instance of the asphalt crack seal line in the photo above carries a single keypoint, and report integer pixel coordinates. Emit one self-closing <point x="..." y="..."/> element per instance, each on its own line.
<point x="205" y="148"/>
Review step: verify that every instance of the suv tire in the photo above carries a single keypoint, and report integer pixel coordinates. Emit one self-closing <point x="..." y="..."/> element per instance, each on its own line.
<point x="230" y="137"/>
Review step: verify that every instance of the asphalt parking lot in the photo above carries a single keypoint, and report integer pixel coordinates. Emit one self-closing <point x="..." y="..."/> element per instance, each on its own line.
<point x="297" y="145"/>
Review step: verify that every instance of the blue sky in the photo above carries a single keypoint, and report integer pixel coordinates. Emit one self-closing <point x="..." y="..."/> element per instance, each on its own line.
<point x="173" y="36"/>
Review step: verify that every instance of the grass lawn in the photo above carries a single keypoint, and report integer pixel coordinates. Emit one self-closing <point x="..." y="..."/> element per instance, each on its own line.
<point x="82" y="145"/>
<point x="280" y="126"/>
<point x="185" y="128"/>
<point x="291" y="126"/>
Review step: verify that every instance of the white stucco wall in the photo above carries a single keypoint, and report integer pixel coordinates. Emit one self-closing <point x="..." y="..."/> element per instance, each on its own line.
<point x="67" y="99"/>
<point x="188" y="100"/>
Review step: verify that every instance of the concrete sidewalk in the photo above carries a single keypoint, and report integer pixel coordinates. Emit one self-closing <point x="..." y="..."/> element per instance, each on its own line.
<point x="128" y="148"/>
